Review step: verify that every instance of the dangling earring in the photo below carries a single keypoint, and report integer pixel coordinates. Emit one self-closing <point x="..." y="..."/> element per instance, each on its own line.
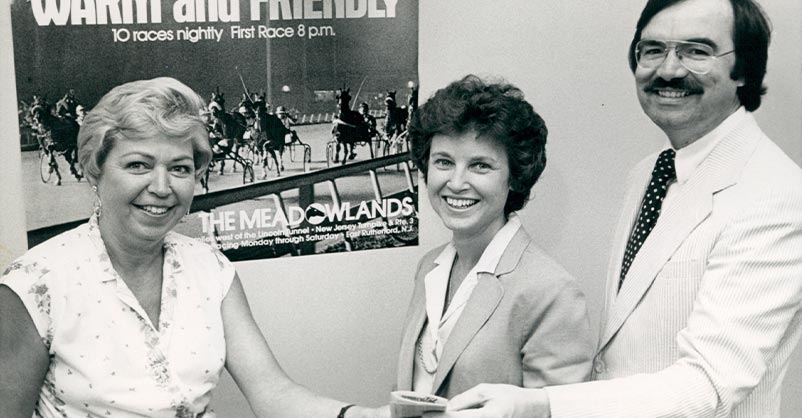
<point x="97" y="206"/>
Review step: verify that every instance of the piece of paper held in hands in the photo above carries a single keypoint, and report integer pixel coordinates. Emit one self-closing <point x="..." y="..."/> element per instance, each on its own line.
<point x="405" y="404"/>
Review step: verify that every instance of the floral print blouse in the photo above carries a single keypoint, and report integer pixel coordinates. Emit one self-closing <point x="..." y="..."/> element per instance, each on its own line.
<point x="106" y="357"/>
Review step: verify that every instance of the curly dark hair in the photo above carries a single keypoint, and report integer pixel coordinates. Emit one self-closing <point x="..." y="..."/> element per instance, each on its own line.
<point x="751" y="37"/>
<point x="494" y="110"/>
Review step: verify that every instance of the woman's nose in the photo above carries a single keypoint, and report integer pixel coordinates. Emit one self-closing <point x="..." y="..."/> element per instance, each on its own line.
<point x="458" y="180"/>
<point x="159" y="182"/>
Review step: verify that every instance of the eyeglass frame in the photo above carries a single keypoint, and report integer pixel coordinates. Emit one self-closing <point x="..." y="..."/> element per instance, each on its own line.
<point x="673" y="44"/>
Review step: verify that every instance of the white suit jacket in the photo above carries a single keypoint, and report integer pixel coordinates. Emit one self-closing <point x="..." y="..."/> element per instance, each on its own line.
<point x="709" y="313"/>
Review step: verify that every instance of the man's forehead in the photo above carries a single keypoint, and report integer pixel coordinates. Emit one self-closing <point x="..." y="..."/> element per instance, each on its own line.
<point x="693" y="19"/>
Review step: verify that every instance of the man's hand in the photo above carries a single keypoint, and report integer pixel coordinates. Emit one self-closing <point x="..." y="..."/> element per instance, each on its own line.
<point x="382" y="412"/>
<point x="497" y="401"/>
<point x="362" y="412"/>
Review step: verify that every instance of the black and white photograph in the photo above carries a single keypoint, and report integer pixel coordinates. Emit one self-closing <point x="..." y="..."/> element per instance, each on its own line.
<point x="399" y="208"/>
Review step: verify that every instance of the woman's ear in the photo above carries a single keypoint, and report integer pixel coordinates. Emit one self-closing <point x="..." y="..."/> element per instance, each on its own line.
<point x="199" y="174"/>
<point x="92" y="180"/>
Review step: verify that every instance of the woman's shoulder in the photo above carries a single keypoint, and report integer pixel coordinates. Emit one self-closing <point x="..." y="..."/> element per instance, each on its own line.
<point x="47" y="274"/>
<point x="428" y="260"/>
<point x="196" y="250"/>
<point x="188" y="244"/>
<point x="432" y="254"/>
<point x="56" y="254"/>
<point x="200" y="257"/>
<point x="539" y="269"/>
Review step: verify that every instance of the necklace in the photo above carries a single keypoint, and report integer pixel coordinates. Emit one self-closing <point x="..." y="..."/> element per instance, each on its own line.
<point x="429" y="366"/>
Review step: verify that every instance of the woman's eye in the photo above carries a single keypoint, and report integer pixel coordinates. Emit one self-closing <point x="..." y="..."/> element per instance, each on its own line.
<point x="183" y="169"/>
<point x="441" y="163"/>
<point x="482" y="166"/>
<point x="136" y="166"/>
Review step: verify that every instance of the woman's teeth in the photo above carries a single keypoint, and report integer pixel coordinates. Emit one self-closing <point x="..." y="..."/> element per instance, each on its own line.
<point x="460" y="203"/>
<point x="156" y="210"/>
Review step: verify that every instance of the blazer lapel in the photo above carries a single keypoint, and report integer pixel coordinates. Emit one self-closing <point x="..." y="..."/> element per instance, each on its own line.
<point x="483" y="301"/>
<point x="679" y="218"/>
<point x="675" y="224"/>
<point x="481" y="305"/>
<point x="627" y="219"/>
<point x="417" y="317"/>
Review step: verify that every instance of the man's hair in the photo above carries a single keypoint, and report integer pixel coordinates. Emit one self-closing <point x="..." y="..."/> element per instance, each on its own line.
<point x="751" y="37"/>
<point x="494" y="111"/>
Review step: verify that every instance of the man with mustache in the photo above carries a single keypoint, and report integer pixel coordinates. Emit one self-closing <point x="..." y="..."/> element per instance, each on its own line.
<point x="704" y="288"/>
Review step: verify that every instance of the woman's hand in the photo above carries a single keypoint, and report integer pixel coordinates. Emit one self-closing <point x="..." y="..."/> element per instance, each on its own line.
<point x="268" y="389"/>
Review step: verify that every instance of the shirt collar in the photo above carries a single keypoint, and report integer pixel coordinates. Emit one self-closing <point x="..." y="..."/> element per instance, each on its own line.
<point x="436" y="281"/>
<point x="107" y="269"/>
<point x="691" y="156"/>
<point x="492" y="254"/>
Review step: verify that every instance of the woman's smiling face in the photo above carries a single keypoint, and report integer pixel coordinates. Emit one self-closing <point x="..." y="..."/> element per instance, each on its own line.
<point x="468" y="183"/>
<point x="146" y="186"/>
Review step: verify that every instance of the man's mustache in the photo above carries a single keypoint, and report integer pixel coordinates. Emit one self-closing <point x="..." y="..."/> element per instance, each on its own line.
<point x="687" y="84"/>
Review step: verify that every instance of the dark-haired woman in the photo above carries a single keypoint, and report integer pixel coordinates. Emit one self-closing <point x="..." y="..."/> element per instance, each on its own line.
<point x="489" y="306"/>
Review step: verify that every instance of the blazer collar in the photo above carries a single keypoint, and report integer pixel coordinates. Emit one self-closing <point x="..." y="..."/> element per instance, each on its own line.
<point x="720" y="170"/>
<point x="483" y="302"/>
<point x="480" y="306"/>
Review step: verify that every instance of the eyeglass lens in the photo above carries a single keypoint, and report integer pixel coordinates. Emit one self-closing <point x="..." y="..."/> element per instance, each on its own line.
<point x="696" y="57"/>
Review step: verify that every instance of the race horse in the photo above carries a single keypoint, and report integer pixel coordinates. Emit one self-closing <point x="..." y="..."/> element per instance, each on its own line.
<point x="396" y="120"/>
<point x="56" y="136"/>
<point x="229" y="127"/>
<point x="221" y="151"/>
<point x="349" y="127"/>
<point x="269" y="133"/>
<point x="412" y="101"/>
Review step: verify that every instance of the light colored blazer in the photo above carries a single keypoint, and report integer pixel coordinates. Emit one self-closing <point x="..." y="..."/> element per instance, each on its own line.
<point x="710" y="310"/>
<point x="525" y="325"/>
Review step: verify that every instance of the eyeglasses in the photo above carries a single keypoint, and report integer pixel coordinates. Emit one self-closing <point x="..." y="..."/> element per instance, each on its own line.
<point x="696" y="57"/>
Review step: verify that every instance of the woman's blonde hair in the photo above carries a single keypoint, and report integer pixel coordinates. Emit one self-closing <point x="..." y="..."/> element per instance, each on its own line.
<point x="162" y="107"/>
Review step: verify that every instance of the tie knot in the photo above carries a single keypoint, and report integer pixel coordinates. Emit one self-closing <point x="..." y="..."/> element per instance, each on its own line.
<point x="664" y="170"/>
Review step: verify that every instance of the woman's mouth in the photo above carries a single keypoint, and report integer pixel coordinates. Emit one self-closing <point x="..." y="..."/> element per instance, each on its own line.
<point x="460" y="203"/>
<point x="154" y="210"/>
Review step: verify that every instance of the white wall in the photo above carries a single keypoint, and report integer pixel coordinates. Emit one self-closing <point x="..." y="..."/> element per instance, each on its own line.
<point x="334" y="320"/>
<point x="12" y="222"/>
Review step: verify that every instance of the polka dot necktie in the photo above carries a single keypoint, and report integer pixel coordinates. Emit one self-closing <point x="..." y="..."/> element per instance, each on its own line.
<point x="663" y="174"/>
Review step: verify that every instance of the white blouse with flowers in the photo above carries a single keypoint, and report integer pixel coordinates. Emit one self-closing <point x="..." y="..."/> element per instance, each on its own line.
<point x="106" y="357"/>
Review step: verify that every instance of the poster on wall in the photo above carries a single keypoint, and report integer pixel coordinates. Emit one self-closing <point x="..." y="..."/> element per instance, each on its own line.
<point x="340" y="76"/>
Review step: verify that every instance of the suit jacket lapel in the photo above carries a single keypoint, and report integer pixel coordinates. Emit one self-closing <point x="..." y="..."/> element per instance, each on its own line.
<point x="675" y="224"/>
<point x="417" y="317"/>
<point x="629" y="215"/>
<point x="480" y="306"/>
<point x="678" y="219"/>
